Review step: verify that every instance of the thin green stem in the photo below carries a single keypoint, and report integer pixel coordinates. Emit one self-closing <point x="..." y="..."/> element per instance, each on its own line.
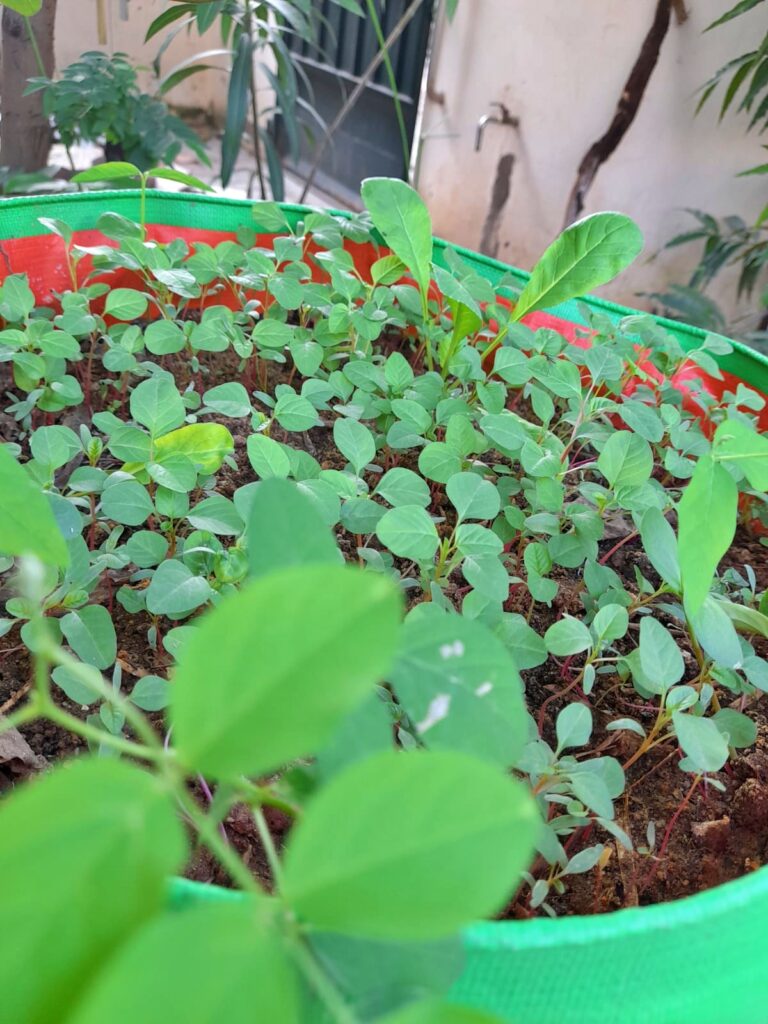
<point x="269" y="845"/>
<point x="208" y="831"/>
<point x="60" y="717"/>
<point x="35" y="47"/>
<point x="384" y="49"/>
<point x="334" y="1002"/>
<point x="93" y="679"/>
<point x="28" y="713"/>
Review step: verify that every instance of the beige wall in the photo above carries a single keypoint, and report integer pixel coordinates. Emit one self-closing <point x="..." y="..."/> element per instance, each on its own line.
<point x="559" y="65"/>
<point x="126" y="23"/>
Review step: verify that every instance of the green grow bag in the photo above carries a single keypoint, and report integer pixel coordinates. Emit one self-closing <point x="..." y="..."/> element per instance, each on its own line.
<point x="700" y="960"/>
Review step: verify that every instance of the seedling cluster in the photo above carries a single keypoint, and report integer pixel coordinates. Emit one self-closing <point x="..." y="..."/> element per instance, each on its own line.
<point x="204" y="437"/>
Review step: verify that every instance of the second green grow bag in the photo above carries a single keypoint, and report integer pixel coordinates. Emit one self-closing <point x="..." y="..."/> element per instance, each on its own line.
<point x="700" y="960"/>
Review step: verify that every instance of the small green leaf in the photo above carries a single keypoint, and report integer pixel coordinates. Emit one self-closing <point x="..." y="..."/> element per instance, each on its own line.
<point x="27" y="525"/>
<point x="660" y="546"/>
<point x="229" y="399"/>
<point x="126" y="304"/>
<point x="409" y="533"/>
<point x="355" y="442"/>
<point x="473" y="497"/>
<point x="568" y="636"/>
<point x="151" y="693"/>
<point x="626" y="460"/>
<point x="156" y="404"/>
<point x="91" y="635"/>
<point x="739" y="730"/>
<point x="409" y="846"/>
<point x="268" y="458"/>
<point x="573" y="726"/>
<point x="400" y="486"/>
<point x="285" y="528"/>
<point x="218" y="515"/>
<point x="660" y="658"/>
<point x="175" y="590"/>
<point x="701" y="740"/>
<point x="127" y="502"/>
<point x="610" y="624"/>
<point x="204" y="444"/>
<point x="325" y="634"/>
<point x="589" y="253"/>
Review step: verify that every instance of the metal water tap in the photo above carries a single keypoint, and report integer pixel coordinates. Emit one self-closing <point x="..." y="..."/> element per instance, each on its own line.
<point x="503" y="117"/>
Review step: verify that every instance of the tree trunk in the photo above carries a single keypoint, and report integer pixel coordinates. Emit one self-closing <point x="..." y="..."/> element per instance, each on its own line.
<point x="25" y="135"/>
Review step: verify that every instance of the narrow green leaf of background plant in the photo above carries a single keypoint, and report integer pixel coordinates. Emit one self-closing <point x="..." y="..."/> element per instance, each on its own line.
<point x="237" y="106"/>
<point x="460" y="687"/>
<point x="281" y="688"/>
<point x="211" y="962"/>
<point x="706" y="527"/>
<point x="400" y="216"/>
<point x="286" y="529"/>
<point x="27" y="526"/>
<point x="85" y="854"/>
<point x="91" y="635"/>
<point x="589" y="253"/>
<point x="114" y="170"/>
<point x="409" y="846"/>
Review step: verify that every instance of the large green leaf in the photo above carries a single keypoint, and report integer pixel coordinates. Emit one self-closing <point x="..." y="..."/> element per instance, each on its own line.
<point x="27" y="525"/>
<point x="403" y="221"/>
<point x="25" y="7"/>
<point x="285" y="528"/>
<point x="211" y="962"/>
<point x="271" y="671"/>
<point x="706" y="526"/>
<point x="409" y="846"/>
<point x="84" y="858"/>
<point x="589" y="253"/>
<point x="460" y="687"/>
